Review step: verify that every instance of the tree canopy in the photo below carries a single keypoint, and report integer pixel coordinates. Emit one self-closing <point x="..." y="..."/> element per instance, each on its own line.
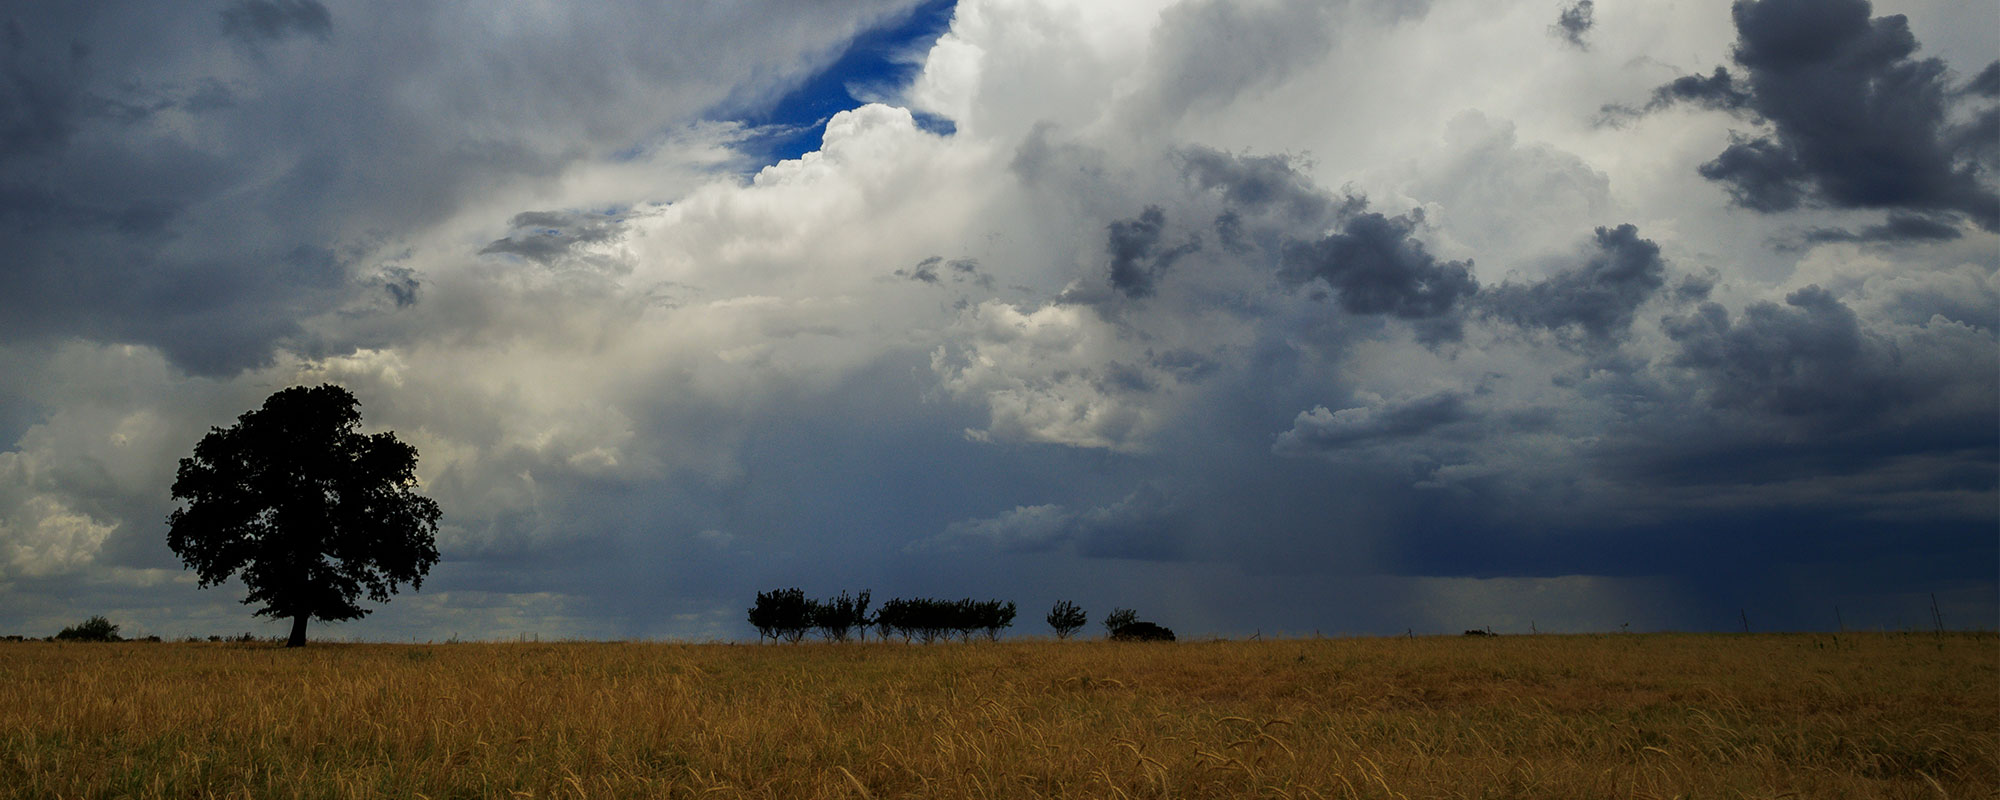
<point x="311" y="513"/>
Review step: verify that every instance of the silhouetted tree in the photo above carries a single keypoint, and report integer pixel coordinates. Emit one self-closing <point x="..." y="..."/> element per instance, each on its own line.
<point x="1119" y="618"/>
<point x="95" y="629"/>
<point x="994" y="616"/>
<point x="1066" y="618"/>
<point x="309" y="512"/>
<point x="894" y="617"/>
<point x="835" y="618"/>
<point x="964" y="617"/>
<point x="783" y="614"/>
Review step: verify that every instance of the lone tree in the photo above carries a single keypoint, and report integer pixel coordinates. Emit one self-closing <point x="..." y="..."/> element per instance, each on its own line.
<point x="1066" y="618"/>
<point x="308" y="511"/>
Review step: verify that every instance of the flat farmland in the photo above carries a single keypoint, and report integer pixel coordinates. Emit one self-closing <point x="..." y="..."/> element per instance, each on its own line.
<point x="1613" y="716"/>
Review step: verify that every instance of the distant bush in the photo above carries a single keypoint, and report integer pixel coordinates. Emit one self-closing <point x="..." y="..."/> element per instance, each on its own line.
<point x="1143" y="632"/>
<point x="1124" y="626"/>
<point x="1066" y="618"/>
<point x="95" y="629"/>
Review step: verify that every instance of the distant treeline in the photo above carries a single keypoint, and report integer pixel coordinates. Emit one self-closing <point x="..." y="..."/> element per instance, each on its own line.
<point x="789" y="615"/>
<point x="101" y="629"/>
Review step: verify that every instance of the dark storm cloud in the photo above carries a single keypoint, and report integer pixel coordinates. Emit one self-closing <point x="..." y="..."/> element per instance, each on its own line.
<point x="1321" y="432"/>
<point x="1899" y="228"/>
<point x="1138" y="256"/>
<point x="1372" y="263"/>
<point x="1716" y="91"/>
<point x="1258" y="184"/>
<point x="401" y="283"/>
<point x="1143" y="525"/>
<point x="1986" y="83"/>
<point x="547" y="236"/>
<point x="1187" y="366"/>
<point x="1857" y="121"/>
<point x="1762" y="174"/>
<point x="1374" y="266"/>
<point x="1979" y="139"/>
<point x="1573" y="21"/>
<point x="154" y="179"/>
<point x="1597" y="298"/>
<point x="40" y="91"/>
<point x="934" y="270"/>
<point x="1808" y="358"/>
<point x="924" y="272"/>
<point x="252" y="21"/>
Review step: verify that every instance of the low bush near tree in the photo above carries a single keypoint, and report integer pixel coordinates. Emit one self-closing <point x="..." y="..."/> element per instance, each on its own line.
<point x="95" y="629"/>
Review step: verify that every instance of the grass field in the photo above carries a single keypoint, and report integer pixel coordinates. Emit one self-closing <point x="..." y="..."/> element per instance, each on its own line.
<point x="1708" y="716"/>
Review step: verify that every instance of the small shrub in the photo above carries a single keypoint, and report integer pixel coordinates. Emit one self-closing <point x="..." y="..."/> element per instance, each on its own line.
<point x="95" y="629"/>
<point x="1125" y="626"/>
<point x="1143" y="632"/>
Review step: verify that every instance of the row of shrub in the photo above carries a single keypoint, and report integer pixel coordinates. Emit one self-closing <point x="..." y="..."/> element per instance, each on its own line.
<point x="930" y="620"/>
<point x="789" y="615"/>
<point x="101" y="629"/>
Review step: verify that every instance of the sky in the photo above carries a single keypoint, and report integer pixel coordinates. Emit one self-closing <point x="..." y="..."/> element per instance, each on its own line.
<point x="1272" y="317"/>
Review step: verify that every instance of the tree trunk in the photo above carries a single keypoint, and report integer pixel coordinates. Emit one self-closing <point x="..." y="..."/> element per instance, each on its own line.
<point x="298" y="631"/>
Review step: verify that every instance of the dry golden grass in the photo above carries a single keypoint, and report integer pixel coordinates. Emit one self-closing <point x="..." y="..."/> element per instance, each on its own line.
<point x="1529" y="717"/>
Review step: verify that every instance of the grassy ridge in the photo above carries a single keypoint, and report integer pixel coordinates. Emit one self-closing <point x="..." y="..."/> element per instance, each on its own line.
<point x="1529" y="717"/>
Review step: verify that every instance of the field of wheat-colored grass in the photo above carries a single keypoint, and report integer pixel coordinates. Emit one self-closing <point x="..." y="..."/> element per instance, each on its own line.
<point x="1710" y="716"/>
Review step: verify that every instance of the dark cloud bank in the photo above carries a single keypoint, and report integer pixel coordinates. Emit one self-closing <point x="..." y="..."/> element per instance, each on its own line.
<point x="1706" y="453"/>
<point x="202" y="182"/>
<point x="1855" y="119"/>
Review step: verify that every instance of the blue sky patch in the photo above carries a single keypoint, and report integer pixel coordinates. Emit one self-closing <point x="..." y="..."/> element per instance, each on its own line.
<point x="877" y="64"/>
